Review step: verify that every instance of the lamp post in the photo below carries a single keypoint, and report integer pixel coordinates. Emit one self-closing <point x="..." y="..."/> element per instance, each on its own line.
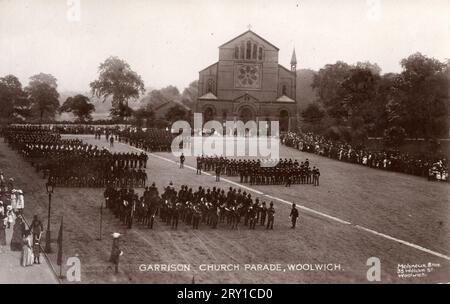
<point x="101" y="221"/>
<point x="48" y="247"/>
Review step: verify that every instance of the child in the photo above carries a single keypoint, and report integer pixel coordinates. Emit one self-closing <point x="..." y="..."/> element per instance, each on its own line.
<point x="9" y="216"/>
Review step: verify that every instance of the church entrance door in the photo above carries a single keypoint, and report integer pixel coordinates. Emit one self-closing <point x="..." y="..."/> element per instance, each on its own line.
<point x="246" y="114"/>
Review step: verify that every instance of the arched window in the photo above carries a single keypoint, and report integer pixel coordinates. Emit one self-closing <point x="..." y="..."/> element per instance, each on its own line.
<point x="236" y="53"/>
<point x="210" y="86"/>
<point x="249" y="50"/>
<point x="260" y="53"/>
<point x="242" y="50"/>
<point x="284" y="90"/>
<point x="255" y="49"/>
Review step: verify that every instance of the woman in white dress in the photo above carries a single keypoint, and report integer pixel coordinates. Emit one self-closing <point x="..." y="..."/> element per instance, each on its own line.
<point x="27" y="250"/>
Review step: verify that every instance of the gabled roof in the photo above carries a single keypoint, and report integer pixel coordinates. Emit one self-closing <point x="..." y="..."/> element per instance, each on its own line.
<point x="208" y="67"/>
<point x="208" y="95"/>
<point x="253" y="33"/>
<point x="279" y="65"/>
<point x="284" y="98"/>
<point x="250" y="97"/>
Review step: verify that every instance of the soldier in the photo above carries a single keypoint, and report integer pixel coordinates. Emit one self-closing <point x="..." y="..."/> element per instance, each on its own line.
<point x="270" y="216"/>
<point x="199" y="165"/>
<point x="293" y="216"/>
<point x="175" y="215"/>
<point x="252" y="216"/>
<point x="196" y="217"/>
<point x="218" y="170"/>
<point x="235" y="217"/>
<point x="263" y="212"/>
<point x="288" y="177"/>
<point x="182" y="158"/>
<point x="317" y="175"/>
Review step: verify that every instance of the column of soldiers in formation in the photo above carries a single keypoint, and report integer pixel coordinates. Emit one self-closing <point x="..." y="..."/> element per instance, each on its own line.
<point x="150" y="139"/>
<point x="434" y="168"/>
<point x="210" y="207"/>
<point x="72" y="163"/>
<point x="260" y="172"/>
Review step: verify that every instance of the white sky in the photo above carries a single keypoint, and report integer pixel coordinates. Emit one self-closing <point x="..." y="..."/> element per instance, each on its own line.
<point x="168" y="41"/>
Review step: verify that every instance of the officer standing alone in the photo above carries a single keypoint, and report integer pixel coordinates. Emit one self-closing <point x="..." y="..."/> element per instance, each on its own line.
<point x="294" y="215"/>
<point x="182" y="159"/>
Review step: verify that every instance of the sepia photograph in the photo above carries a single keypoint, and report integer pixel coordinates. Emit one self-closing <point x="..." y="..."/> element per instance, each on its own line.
<point x="224" y="142"/>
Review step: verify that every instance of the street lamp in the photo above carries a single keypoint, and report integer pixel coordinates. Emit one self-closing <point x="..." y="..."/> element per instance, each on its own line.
<point x="50" y="187"/>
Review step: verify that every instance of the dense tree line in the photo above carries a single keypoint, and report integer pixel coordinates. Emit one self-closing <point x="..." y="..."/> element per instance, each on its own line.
<point x="39" y="101"/>
<point x="357" y="101"/>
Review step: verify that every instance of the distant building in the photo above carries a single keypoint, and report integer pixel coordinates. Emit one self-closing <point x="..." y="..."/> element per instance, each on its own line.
<point x="247" y="83"/>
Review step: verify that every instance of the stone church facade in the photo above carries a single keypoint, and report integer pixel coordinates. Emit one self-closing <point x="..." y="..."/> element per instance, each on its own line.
<point x="248" y="83"/>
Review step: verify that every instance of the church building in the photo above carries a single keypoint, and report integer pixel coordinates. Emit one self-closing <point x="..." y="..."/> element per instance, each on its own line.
<point x="248" y="83"/>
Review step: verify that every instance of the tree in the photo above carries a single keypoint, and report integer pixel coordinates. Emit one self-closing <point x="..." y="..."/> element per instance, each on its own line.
<point x="121" y="111"/>
<point x="80" y="106"/>
<point x="43" y="78"/>
<point x="394" y="136"/>
<point x="327" y="83"/>
<point x="358" y="95"/>
<point x="313" y="113"/>
<point x="156" y="98"/>
<point x="177" y="112"/>
<point x="43" y="95"/>
<point x="13" y="99"/>
<point x="420" y="97"/>
<point x="144" y="113"/>
<point x="190" y="95"/>
<point x="118" y="81"/>
<point x="378" y="106"/>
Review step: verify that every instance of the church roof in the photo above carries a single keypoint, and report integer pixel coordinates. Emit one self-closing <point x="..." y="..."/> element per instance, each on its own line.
<point x="253" y="33"/>
<point x="279" y="65"/>
<point x="284" y="98"/>
<point x="209" y="66"/>
<point x="208" y="95"/>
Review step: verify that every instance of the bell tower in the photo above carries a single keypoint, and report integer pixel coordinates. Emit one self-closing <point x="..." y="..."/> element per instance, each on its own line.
<point x="293" y="62"/>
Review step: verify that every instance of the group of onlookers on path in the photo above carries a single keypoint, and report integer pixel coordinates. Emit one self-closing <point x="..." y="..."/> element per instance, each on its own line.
<point x="25" y="238"/>
<point x="432" y="166"/>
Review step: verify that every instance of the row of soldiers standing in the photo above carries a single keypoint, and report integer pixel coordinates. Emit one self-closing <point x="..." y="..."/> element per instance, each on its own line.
<point x="260" y="172"/>
<point x="203" y="206"/>
<point x="72" y="163"/>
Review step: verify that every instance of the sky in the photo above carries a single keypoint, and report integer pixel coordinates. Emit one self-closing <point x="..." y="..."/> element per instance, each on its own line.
<point x="168" y="42"/>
